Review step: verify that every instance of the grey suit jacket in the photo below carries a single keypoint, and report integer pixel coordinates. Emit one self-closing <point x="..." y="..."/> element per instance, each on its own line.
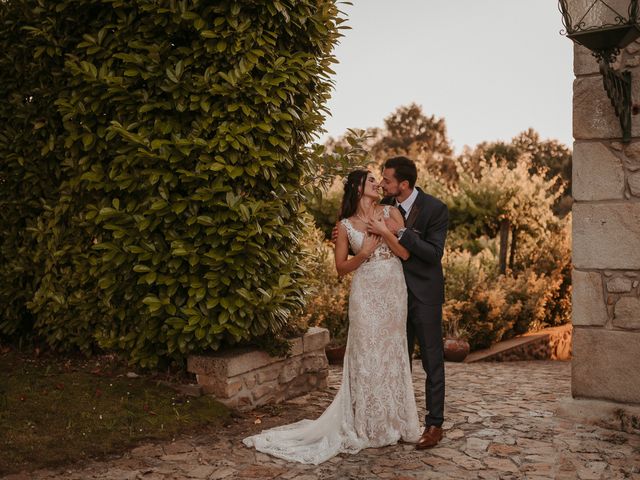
<point x="424" y="238"/>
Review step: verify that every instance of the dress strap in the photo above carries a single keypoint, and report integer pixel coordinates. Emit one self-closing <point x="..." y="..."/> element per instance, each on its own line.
<point x="386" y="211"/>
<point x="348" y="227"/>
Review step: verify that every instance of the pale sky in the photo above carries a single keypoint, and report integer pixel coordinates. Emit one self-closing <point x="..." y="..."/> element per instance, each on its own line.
<point x="491" y="68"/>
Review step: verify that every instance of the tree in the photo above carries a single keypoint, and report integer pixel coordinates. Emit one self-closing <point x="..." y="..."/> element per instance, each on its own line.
<point x="408" y="131"/>
<point x="508" y="202"/>
<point x="549" y="156"/>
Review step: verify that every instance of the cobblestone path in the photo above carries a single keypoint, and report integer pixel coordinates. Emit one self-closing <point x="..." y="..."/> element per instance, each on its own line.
<point x="500" y="425"/>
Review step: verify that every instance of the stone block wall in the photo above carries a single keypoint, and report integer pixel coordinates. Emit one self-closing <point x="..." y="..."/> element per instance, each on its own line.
<point x="606" y="238"/>
<point x="245" y="379"/>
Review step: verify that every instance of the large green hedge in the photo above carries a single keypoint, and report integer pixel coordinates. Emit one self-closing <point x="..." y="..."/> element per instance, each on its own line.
<point x="154" y="161"/>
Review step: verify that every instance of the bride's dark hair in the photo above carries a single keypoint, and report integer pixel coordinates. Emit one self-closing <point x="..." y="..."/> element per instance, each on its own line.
<point x="353" y="190"/>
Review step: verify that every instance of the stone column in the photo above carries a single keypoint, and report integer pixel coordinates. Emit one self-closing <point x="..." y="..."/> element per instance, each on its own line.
<point x="606" y="238"/>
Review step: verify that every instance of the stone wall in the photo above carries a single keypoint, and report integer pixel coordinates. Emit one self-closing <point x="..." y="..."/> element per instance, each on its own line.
<point x="553" y="344"/>
<point x="245" y="379"/>
<point x="606" y="238"/>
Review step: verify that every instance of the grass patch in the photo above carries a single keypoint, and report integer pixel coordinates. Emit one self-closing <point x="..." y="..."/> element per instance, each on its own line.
<point x="60" y="410"/>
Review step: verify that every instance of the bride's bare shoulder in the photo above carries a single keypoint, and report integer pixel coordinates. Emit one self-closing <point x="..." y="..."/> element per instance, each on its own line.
<point x="345" y="224"/>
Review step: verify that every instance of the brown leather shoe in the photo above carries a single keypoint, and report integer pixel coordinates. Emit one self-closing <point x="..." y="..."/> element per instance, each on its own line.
<point x="430" y="437"/>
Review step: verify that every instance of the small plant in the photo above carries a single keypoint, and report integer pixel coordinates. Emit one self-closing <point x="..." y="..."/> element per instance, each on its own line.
<point x="451" y="324"/>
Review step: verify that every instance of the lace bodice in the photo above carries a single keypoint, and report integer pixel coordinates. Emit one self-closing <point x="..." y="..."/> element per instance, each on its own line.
<point x="356" y="237"/>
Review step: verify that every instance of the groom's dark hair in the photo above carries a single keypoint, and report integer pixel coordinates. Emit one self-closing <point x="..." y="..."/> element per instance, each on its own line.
<point x="404" y="168"/>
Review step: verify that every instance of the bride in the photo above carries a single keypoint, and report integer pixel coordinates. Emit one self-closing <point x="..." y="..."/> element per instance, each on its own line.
<point x="375" y="405"/>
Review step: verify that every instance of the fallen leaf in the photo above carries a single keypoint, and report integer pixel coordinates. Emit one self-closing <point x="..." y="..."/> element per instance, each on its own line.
<point x="257" y="421"/>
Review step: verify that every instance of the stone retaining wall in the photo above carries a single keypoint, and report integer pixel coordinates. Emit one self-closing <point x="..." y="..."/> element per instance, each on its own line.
<point x="245" y="379"/>
<point x="553" y="344"/>
<point x="549" y="344"/>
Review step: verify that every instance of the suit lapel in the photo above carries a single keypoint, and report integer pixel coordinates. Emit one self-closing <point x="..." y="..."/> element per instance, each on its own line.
<point x="415" y="209"/>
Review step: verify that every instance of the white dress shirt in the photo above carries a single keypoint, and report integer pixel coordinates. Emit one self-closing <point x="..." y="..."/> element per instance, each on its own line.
<point x="406" y="206"/>
<point x="408" y="202"/>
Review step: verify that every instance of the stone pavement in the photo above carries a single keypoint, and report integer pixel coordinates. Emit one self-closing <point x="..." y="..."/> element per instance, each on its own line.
<point x="500" y="425"/>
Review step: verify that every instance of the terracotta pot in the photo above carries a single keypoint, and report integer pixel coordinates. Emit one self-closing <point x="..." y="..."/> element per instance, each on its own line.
<point x="455" y="349"/>
<point x="335" y="355"/>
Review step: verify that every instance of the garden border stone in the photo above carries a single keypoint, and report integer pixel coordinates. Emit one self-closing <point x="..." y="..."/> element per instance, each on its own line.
<point x="247" y="378"/>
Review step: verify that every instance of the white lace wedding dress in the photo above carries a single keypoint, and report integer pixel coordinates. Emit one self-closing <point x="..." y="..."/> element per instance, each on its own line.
<point x="375" y="405"/>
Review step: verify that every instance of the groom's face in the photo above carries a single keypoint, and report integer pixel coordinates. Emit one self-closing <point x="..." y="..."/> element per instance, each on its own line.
<point x="390" y="185"/>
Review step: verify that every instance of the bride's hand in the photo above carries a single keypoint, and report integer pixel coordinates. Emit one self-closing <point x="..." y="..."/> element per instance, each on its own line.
<point x="370" y="243"/>
<point x="377" y="226"/>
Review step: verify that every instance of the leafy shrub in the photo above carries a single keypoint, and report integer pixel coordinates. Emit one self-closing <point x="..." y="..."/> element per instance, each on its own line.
<point x="325" y="211"/>
<point x="328" y="294"/>
<point x="175" y="138"/>
<point x="487" y="307"/>
<point x="534" y="257"/>
<point x="32" y="159"/>
<point x="558" y="265"/>
<point x="527" y="295"/>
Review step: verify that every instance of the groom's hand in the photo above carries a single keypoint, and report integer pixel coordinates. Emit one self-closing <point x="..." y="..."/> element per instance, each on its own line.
<point x="334" y="234"/>
<point x="392" y="225"/>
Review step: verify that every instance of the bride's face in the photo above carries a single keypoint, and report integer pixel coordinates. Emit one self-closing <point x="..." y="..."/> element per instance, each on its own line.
<point x="371" y="187"/>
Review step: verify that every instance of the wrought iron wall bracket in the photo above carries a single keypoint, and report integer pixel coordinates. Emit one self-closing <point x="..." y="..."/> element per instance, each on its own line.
<point x="618" y="87"/>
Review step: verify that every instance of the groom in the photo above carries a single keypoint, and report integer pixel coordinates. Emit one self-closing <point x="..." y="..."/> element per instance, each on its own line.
<point x="424" y="234"/>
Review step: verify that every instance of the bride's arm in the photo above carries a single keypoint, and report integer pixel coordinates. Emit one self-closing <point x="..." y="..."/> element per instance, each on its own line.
<point x="379" y="227"/>
<point x="344" y="264"/>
